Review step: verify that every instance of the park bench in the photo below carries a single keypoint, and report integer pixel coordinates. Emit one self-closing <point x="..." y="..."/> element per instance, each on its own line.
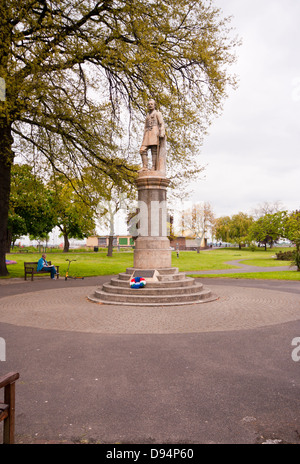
<point x="7" y="409"/>
<point x="31" y="269"/>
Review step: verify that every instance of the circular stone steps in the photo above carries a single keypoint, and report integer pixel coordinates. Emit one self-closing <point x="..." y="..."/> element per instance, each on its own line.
<point x="166" y="284"/>
<point x="154" y="291"/>
<point x="163" y="287"/>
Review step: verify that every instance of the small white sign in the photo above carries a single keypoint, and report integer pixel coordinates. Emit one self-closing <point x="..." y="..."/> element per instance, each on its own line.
<point x="2" y="349"/>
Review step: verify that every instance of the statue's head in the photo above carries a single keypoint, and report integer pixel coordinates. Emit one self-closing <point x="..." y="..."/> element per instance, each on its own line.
<point x="151" y="104"/>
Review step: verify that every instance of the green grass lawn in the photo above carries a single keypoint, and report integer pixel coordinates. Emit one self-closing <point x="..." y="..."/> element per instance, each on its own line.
<point x="265" y="262"/>
<point x="86" y="264"/>
<point x="217" y="259"/>
<point x="97" y="263"/>
<point x="276" y="275"/>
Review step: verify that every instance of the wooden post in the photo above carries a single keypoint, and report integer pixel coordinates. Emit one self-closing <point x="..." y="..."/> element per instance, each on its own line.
<point x="8" y="382"/>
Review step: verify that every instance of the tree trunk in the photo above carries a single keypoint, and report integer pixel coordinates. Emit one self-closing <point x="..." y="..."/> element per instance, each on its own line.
<point x="111" y="231"/>
<point x="110" y="245"/>
<point x="66" y="243"/>
<point x="10" y="241"/>
<point x="6" y="161"/>
<point x="297" y="256"/>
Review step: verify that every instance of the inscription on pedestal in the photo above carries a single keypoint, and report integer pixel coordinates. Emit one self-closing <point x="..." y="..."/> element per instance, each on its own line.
<point x="144" y="273"/>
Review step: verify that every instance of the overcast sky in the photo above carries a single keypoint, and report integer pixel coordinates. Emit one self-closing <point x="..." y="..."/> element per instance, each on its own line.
<point x="252" y="150"/>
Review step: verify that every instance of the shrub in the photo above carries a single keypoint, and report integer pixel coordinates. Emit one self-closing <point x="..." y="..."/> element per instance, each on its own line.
<point x="286" y="255"/>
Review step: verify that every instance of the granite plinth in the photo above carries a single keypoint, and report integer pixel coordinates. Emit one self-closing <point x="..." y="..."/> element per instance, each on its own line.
<point x="166" y="287"/>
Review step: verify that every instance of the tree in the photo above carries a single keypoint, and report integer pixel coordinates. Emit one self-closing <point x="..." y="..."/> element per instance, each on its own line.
<point x="267" y="208"/>
<point x="268" y="229"/>
<point x="199" y="220"/>
<point x="114" y="200"/>
<point x="240" y="224"/>
<point x="16" y="228"/>
<point x="292" y="233"/>
<point x="221" y="228"/>
<point x="54" y="52"/>
<point x="74" y="213"/>
<point x="108" y="198"/>
<point x="31" y="207"/>
<point x="233" y="229"/>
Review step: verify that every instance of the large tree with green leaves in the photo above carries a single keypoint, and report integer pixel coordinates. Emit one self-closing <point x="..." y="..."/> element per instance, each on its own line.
<point x="53" y="52"/>
<point x="233" y="229"/>
<point x="221" y="228"/>
<point x="268" y="229"/>
<point x="72" y="208"/>
<point x="31" y="205"/>
<point x="240" y="224"/>
<point x="292" y="232"/>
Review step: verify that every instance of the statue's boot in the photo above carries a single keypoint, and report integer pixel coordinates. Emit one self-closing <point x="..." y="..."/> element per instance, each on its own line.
<point x="154" y="162"/>
<point x="145" y="162"/>
<point x="154" y="159"/>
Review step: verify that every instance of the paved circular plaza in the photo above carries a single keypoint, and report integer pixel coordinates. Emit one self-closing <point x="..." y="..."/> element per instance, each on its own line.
<point x="68" y="308"/>
<point x="216" y="372"/>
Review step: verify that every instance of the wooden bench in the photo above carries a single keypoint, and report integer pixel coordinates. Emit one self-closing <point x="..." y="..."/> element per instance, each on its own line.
<point x="31" y="269"/>
<point x="7" y="409"/>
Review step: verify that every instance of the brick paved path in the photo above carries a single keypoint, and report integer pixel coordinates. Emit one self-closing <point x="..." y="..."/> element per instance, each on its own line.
<point x="68" y="309"/>
<point x="219" y="372"/>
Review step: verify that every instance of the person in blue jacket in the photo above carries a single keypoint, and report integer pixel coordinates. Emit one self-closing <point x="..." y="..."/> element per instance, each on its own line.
<point x="43" y="266"/>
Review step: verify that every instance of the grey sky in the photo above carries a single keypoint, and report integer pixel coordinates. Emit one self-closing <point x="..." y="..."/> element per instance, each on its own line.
<point x="252" y="150"/>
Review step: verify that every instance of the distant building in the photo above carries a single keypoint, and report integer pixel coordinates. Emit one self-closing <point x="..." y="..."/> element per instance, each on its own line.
<point x="192" y="244"/>
<point x="184" y="243"/>
<point x="126" y="241"/>
<point x="123" y="241"/>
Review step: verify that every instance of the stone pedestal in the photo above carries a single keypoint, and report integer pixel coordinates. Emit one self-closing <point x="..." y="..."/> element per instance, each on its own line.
<point x="152" y="247"/>
<point x="165" y="285"/>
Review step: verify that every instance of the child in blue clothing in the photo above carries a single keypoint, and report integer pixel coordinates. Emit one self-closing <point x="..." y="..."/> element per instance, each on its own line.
<point x="43" y="266"/>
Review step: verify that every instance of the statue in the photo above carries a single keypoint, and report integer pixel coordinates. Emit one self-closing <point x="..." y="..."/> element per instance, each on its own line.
<point x="154" y="139"/>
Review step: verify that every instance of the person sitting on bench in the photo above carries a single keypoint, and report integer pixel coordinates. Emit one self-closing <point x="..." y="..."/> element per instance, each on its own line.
<point x="43" y="266"/>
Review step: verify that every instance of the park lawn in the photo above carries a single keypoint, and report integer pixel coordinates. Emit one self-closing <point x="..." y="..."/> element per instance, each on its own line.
<point x="86" y="264"/>
<point x="276" y="275"/>
<point x="217" y="259"/>
<point x="265" y="262"/>
<point x="205" y="260"/>
<point x="98" y="263"/>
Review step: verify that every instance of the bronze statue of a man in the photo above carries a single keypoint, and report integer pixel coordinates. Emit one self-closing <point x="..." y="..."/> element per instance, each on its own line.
<point x="154" y="132"/>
